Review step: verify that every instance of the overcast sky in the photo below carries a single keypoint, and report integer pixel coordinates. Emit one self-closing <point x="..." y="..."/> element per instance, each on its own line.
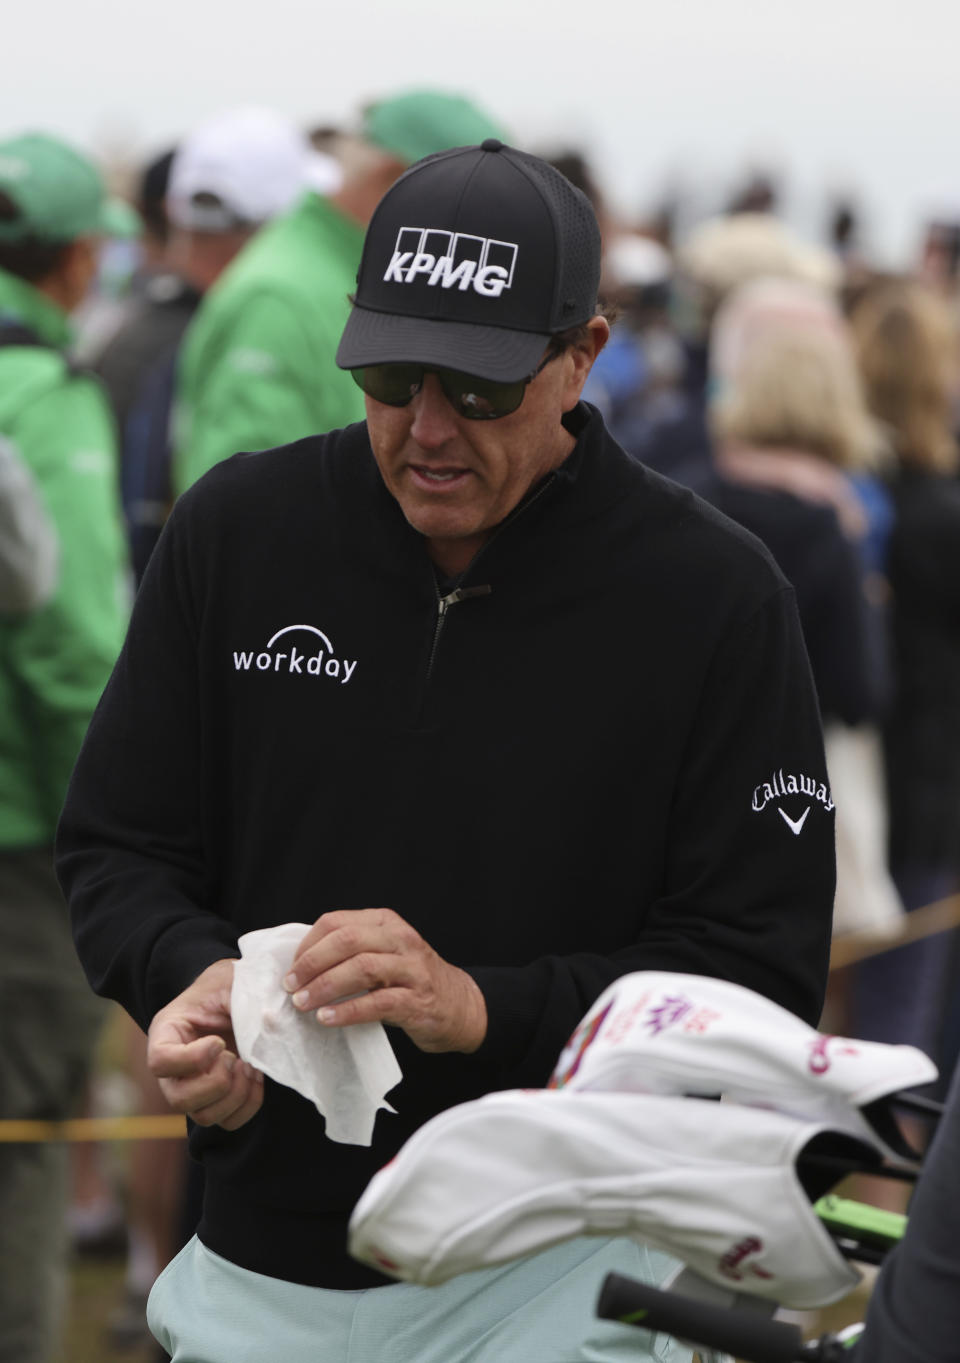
<point x="861" y="94"/>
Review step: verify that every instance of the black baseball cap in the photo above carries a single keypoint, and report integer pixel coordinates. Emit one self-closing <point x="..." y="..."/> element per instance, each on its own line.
<point x="473" y="259"/>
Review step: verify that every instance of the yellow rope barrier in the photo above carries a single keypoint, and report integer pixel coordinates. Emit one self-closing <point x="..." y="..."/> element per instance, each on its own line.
<point x="913" y="927"/>
<point x="161" y="1128"/>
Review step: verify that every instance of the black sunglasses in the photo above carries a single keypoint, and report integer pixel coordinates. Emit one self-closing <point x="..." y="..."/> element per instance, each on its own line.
<point x="474" y="398"/>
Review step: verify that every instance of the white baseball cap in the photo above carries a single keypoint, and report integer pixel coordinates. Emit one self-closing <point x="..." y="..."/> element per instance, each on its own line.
<point x="714" y="1184"/>
<point x="639" y="261"/>
<point x="242" y="168"/>
<point x="666" y="1033"/>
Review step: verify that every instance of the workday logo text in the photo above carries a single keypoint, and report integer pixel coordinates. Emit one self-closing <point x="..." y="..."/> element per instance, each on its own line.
<point x="444" y="259"/>
<point x="297" y="650"/>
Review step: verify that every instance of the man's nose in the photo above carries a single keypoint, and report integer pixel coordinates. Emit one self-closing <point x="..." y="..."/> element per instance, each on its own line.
<point x="434" y="420"/>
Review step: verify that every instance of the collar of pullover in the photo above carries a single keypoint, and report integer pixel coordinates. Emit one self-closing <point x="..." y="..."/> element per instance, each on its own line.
<point x="595" y="474"/>
<point x="596" y="467"/>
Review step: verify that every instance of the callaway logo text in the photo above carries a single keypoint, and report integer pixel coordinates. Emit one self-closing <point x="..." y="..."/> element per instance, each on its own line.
<point x="452" y="258"/>
<point x="791" y="784"/>
<point x="316" y="656"/>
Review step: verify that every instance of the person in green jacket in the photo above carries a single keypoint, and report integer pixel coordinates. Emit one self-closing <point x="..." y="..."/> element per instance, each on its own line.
<point x="54" y="661"/>
<point x="257" y="368"/>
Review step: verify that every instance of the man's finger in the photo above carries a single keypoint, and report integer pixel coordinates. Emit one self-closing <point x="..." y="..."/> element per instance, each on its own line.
<point x="249" y="1108"/>
<point x="455" y="1018"/>
<point x="234" y="1107"/>
<point x="333" y="949"/>
<point x="337" y="936"/>
<point x="181" y="1060"/>
<point x="392" y="1006"/>
<point x="197" y="1092"/>
<point x="364" y="973"/>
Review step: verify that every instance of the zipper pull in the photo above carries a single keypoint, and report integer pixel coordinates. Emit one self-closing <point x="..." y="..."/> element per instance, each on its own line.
<point x="460" y="594"/>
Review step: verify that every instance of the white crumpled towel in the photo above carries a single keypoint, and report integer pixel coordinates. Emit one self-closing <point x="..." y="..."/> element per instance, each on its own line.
<point x="344" y="1071"/>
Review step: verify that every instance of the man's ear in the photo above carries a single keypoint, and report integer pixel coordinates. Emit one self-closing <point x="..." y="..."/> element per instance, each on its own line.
<point x="580" y="358"/>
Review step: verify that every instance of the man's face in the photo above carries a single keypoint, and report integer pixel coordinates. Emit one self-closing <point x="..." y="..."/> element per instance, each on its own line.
<point x="457" y="479"/>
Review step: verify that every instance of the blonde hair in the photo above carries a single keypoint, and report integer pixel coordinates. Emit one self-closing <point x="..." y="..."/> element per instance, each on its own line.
<point x="908" y="349"/>
<point x="784" y="375"/>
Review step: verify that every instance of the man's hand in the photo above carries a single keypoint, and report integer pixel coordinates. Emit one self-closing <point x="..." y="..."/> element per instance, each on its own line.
<point x="439" y="1006"/>
<point x="192" y="1051"/>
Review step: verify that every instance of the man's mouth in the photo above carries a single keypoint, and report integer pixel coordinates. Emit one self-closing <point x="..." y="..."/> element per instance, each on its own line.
<point x="438" y="476"/>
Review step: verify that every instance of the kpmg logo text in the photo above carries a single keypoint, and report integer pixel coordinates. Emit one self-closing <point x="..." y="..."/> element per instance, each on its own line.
<point x="452" y="258"/>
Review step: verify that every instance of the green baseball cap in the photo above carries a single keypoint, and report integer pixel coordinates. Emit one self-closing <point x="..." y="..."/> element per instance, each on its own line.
<point x="422" y="122"/>
<point x="56" y="194"/>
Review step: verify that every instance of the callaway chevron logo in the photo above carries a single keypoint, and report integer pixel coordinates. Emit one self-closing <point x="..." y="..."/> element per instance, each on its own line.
<point x="779" y="785"/>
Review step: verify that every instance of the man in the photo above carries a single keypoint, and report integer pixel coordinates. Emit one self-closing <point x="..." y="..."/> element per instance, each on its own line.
<point x="258" y="365"/>
<point x="232" y="174"/>
<point x="499" y="712"/>
<point x="56" y="652"/>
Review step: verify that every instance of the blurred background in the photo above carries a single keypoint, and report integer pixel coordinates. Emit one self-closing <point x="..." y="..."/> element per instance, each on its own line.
<point x="673" y="103"/>
<point x="779" y="193"/>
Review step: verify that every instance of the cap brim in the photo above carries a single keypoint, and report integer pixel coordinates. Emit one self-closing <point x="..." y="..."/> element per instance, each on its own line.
<point x="487" y="352"/>
<point x="119" y="219"/>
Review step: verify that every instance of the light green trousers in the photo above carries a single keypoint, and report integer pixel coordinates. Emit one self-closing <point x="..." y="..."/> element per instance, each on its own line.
<point x="535" y="1310"/>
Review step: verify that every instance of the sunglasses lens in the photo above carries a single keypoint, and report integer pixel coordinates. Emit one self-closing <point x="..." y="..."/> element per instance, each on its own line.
<point x="480" y="399"/>
<point x="392" y="384"/>
<point x="473" y="398"/>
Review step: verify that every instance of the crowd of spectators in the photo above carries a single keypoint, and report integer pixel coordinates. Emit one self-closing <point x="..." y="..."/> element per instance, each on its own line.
<point x="809" y="396"/>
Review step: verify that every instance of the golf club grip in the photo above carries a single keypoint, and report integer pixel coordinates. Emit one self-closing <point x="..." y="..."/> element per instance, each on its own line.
<point x="747" y="1336"/>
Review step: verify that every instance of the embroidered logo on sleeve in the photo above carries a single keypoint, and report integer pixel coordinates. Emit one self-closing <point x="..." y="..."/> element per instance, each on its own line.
<point x="791" y="784"/>
<point x="795" y="825"/>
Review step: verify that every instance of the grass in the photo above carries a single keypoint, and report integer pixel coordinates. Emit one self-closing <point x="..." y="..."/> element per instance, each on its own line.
<point x="96" y="1291"/>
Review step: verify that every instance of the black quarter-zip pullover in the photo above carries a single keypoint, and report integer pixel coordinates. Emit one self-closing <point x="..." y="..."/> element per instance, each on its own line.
<point x="600" y="762"/>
